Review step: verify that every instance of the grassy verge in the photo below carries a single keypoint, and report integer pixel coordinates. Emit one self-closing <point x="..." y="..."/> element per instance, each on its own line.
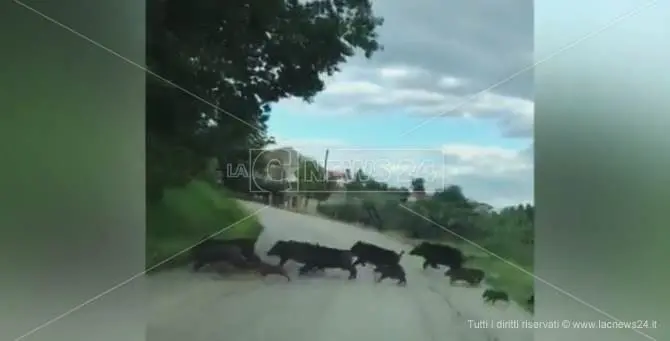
<point x="186" y="214"/>
<point x="517" y="284"/>
<point x="500" y="275"/>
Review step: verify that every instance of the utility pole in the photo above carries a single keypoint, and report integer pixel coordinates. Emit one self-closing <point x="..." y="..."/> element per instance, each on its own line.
<point x="326" y="175"/>
<point x="325" y="163"/>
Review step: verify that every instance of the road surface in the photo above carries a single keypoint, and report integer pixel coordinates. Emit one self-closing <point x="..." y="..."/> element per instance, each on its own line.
<point x="322" y="307"/>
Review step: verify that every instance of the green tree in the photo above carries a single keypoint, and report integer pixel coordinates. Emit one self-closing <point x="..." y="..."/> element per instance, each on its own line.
<point x="418" y="185"/>
<point x="372" y="185"/>
<point x="238" y="57"/>
<point x="453" y="195"/>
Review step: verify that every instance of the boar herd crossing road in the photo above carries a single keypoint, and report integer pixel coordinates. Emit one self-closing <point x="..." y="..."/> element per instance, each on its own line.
<point x="327" y="307"/>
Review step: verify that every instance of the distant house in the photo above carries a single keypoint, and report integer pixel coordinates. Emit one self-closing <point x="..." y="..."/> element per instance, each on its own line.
<point x="283" y="164"/>
<point x="339" y="177"/>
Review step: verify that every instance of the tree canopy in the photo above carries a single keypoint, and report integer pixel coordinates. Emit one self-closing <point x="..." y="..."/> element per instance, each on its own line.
<point x="227" y="62"/>
<point x="418" y="185"/>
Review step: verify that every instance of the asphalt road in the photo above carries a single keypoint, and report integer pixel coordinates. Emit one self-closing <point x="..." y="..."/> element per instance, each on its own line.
<point x="321" y="307"/>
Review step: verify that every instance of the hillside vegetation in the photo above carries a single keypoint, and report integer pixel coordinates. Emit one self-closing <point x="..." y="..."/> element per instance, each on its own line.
<point x="188" y="213"/>
<point x="449" y="217"/>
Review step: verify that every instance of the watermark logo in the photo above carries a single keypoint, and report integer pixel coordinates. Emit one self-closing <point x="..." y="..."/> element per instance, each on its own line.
<point x="563" y="324"/>
<point x="284" y="170"/>
<point x="394" y="167"/>
<point x="272" y="170"/>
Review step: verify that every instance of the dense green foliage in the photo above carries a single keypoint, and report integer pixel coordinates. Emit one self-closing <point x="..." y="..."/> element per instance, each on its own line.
<point x="235" y="59"/>
<point x="186" y="214"/>
<point x="221" y="64"/>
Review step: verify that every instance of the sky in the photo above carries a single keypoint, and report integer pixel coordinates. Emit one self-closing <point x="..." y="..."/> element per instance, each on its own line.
<point x="439" y="58"/>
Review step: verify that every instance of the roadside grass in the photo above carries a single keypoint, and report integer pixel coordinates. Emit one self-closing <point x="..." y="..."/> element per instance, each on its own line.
<point x="508" y="278"/>
<point x="187" y="214"/>
<point x="499" y="274"/>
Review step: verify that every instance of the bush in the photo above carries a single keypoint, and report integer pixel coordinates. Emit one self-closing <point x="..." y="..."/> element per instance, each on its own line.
<point x="169" y="165"/>
<point x="186" y="214"/>
<point x="349" y="211"/>
<point x="501" y="275"/>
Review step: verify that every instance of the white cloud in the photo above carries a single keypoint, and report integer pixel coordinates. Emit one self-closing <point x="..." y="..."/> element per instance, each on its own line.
<point x="477" y="160"/>
<point x="397" y="72"/>
<point x="390" y="72"/>
<point x="364" y="91"/>
<point x="361" y="88"/>
<point x="436" y="56"/>
<point x="448" y="82"/>
<point x="318" y="143"/>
